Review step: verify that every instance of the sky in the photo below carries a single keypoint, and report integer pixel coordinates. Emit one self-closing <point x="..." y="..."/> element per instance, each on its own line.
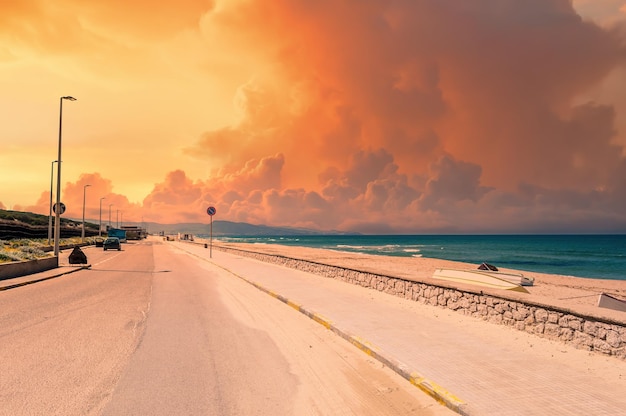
<point x="371" y="116"/>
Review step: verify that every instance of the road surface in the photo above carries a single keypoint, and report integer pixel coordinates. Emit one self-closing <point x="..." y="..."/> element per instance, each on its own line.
<point x="154" y="330"/>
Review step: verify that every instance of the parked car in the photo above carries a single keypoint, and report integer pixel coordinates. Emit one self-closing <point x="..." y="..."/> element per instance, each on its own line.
<point x="99" y="242"/>
<point x="112" y="243"/>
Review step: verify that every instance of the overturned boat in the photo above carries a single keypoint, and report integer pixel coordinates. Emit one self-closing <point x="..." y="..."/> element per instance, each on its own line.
<point x="517" y="278"/>
<point x="486" y="275"/>
<point x="611" y="302"/>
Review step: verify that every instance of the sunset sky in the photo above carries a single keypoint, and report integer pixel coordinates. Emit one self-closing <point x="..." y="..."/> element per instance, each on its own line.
<point x="375" y="116"/>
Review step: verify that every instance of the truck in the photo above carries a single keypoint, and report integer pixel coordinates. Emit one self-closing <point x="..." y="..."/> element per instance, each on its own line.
<point x="134" y="232"/>
<point x="116" y="232"/>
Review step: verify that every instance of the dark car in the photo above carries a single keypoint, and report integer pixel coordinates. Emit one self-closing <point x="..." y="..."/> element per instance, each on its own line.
<point x="99" y="242"/>
<point x="112" y="243"/>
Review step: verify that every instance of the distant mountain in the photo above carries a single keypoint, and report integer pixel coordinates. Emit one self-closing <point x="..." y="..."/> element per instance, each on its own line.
<point x="229" y="229"/>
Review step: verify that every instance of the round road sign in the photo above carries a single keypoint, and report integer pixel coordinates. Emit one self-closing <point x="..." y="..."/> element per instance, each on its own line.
<point x="61" y="211"/>
<point x="211" y="211"/>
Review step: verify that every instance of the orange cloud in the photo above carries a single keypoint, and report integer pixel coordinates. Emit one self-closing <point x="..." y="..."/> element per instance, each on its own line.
<point x="72" y="196"/>
<point x="400" y="116"/>
<point x="431" y="118"/>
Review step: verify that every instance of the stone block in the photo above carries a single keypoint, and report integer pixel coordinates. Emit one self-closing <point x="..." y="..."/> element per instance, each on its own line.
<point x="575" y="323"/>
<point x="613" y="339"/>
<point x="553" y="317"/>
<point x="601" y="346"/>
<point x="521" y="313"/>
<point x="590" y="328"/>
<point x="566" y="334"/>
<point x="551" y="330"/>
<point x="539" y="328"/>
<point x="582" y="340"/>
<point x="541" y="315"/>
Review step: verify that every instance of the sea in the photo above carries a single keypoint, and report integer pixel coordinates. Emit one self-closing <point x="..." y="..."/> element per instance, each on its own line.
<point x="588" y="256"/>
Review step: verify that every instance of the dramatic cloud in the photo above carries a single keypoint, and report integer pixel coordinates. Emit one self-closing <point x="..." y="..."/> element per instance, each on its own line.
<point x="436" y="105"/>
<point x="388" y="115"/>
<point x="90" y="187"/>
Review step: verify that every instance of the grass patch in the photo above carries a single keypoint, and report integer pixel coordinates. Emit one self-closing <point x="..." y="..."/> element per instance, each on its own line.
<point x="27" y="249"/>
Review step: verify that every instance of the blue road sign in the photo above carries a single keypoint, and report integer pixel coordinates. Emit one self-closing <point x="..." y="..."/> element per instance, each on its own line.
<point x="211" y="211"/>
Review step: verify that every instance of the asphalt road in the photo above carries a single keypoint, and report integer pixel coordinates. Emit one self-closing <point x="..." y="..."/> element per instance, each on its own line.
<point x="152" y="330"/>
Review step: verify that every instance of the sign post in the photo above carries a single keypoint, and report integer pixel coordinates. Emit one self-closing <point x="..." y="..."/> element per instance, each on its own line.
<point x="61" y="208"/>
<point x="211" y="211"/>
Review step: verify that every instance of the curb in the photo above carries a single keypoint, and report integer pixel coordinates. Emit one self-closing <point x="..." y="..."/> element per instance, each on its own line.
<point x="434" y="390"/>
<point x="29" y="282"/>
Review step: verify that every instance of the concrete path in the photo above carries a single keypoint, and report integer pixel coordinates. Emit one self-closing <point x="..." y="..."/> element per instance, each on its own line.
<point x="471" y="366"/>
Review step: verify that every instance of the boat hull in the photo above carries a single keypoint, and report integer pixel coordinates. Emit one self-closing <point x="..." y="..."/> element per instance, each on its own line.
<point x="516" y="278"/>
<point x="478" y="278"/>
<point x="609" y="302"/>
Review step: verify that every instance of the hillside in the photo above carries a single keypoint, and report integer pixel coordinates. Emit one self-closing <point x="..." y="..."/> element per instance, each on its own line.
<point x="17" y="224"/>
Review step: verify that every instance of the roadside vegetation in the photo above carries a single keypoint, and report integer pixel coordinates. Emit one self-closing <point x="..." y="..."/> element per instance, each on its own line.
<point x="22" y="235"/>
<point x="32" y="249"/>
<point x="19" y="250"/>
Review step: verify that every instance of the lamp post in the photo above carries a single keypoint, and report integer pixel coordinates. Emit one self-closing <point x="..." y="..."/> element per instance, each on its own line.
<point x="57" y="219"/>
<point x="122" y="218"/>
<point x="110" y="205"/>
<point x="50" y="214"/>
<point x="100" y="226"/>
<point x="117" y="219"/>
<point x="82" y="234"/>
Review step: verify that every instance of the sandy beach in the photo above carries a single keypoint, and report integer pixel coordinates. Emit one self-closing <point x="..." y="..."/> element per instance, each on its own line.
<point x="572" y="293"/>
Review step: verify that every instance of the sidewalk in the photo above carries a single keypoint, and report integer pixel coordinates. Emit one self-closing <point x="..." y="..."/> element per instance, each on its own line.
<point x="473" y="367"/>
<point x="63" y="269"/>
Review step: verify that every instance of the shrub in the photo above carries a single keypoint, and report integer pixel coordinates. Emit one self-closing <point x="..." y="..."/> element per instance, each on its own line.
<point x="7" y="257"/>
<point x="31" y="253"/>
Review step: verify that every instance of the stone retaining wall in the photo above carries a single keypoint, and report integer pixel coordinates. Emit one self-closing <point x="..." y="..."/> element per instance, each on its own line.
<point x="581" y="331"/>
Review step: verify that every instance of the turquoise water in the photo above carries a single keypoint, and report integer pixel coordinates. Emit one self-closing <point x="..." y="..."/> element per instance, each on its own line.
<point x="591" y="256"/>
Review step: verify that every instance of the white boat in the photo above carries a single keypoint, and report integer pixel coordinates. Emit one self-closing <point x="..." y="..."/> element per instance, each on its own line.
<point x="611" y="302"/>
<point x="478" y="277"/>
<point x="517" y="278"/>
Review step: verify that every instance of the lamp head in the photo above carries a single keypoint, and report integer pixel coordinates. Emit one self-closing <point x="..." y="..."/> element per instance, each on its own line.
<point x="67" y="97"/>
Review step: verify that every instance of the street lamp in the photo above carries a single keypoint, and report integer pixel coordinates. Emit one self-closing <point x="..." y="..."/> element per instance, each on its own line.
<point x="117" y="219"/>
<point x="122" y="216"/>
<point x="110" y="205"/>
<point x="50" y="214"/>
<point x="100" y="226"/>
<point x="57" y="220"/>
<point x="82" y="234"/>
